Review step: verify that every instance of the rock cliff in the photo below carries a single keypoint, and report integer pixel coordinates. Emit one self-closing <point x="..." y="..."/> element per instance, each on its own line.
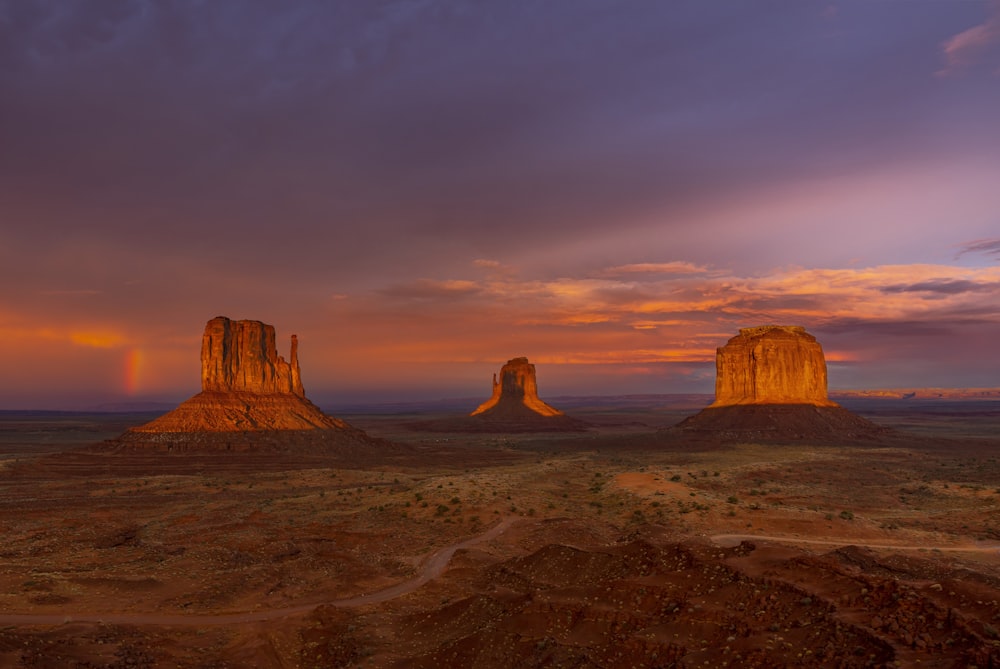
<point x="241" y="356"/>
<point x="770" y="386"/>
<point x="516" y="393"/>
<point x="771" y="364"/>
<point x="246" y="387"/>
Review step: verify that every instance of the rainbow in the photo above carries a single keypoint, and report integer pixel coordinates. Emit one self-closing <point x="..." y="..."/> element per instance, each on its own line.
<point x="133" y="370"/>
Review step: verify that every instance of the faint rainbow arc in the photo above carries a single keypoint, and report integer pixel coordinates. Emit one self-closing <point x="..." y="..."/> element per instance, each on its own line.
<point x="133" y="370"/>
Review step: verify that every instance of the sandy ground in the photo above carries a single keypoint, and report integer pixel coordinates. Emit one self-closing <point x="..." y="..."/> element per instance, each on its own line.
<point x="618" y="547"/>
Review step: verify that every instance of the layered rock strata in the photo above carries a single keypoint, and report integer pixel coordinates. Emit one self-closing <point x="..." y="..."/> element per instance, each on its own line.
<point x="771" y="364"/>
<point x="515" y="394"/>
<point x="246" y="387"/>
<point x="241" y="356"/>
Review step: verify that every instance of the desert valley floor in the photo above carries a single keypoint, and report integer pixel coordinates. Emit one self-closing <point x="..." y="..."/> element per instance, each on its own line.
<point x="624" y="545"/>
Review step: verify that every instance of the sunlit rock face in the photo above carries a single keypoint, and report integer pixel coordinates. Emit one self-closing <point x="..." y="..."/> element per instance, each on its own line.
<point x="771" y="364"/>
<point x="246" y="386"/>
<point x="770" y="387"/>
<point x="515" y="393"/>
<point x="241" y="356"/>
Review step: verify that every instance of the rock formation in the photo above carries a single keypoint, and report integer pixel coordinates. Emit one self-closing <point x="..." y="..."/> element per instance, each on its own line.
<point x="770" y="385"/>
<point x="771" y="364"/>
<point x="516" y="393"/>
<point x="513" y="407"/>
<point x="246" y="387"/>
<point x="240" y="356"/>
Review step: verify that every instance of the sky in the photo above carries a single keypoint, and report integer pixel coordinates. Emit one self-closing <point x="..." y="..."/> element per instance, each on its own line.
<point x="424" y="189"/>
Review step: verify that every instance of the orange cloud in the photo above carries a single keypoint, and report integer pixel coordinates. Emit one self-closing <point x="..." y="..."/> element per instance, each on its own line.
<point x="675" y="267"/>
<point x="97" y="339"/>
<point x="653" y="318"/>
<point x="968" y="46"/>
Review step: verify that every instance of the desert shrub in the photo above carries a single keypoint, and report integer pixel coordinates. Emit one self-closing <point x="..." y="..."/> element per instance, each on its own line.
<point x="847" y="515"/>
<point x="733" y="500"/>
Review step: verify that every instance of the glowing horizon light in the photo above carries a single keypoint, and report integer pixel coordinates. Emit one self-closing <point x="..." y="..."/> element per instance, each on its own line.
<point x="96" y="339"/>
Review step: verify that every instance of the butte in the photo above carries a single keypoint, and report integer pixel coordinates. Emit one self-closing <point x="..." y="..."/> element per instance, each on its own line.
<point x="514" y="405"/>
<point x="771" y="385"/>
<point x="250" y="399"/>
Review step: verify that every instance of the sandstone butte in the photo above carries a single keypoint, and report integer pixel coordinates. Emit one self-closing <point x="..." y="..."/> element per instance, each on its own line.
<point x="515" y="394"/>
<point x="771" y="384"/>
<point x="771" y="364"/>
<point x="245" y="386"/>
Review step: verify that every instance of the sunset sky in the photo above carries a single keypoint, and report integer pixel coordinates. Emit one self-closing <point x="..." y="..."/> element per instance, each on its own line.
<point x="423" y="189"/>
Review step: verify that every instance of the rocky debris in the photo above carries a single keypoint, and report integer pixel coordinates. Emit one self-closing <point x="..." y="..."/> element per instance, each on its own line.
<point x="782" y="423"/>
<point x="771" y="364"/>
<point x="242" y="412"/>
<point x="649" y="601"/>
<point x="516" y="393"/>
<point x="240" y="356"/>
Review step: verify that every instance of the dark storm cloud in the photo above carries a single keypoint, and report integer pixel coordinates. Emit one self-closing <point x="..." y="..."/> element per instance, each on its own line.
<point x="989" y="247"/>
<point x="357" y="125"/>
<point x="892" y="329"/>
<point x="943" y="286"/>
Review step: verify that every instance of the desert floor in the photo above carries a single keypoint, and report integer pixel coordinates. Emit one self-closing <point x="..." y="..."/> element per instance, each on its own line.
<point x="621" y="546"/>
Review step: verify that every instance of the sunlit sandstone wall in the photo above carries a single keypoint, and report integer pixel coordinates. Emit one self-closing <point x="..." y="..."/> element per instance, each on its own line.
<point x="771" y="364"/>
<point x="240" y="356"/>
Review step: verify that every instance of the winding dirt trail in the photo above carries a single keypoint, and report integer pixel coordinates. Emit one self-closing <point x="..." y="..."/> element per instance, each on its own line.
<point x="729" y="540"/>
<point x="432" y="568"/>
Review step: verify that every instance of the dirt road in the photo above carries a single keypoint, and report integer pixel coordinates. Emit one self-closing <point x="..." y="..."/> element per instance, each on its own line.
<point x="433" y="566"/>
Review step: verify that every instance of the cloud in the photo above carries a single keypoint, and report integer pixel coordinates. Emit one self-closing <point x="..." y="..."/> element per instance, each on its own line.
<point x="430" y="289"/>
<point x="990" y="247"/>
<point x="83" y="292"/>
<point x="678" y="267"/>
<point x="654" y="316"/>
<point x="971" y="46"/>
<point x="945" y="286"/>
<point x="97" y="339"/>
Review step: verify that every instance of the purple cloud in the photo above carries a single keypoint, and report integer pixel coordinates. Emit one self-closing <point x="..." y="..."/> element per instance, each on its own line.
<point x="990" y="247"/>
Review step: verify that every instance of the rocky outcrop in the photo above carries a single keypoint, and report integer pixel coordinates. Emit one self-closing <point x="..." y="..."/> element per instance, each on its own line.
<point x="246" y="387"/>
<point x="513" y="407"/>
<point x="771" y="364"/>
<point x="770" y="386"/>
<point x="516" y="393"/>
<point x="241" y="356"/>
